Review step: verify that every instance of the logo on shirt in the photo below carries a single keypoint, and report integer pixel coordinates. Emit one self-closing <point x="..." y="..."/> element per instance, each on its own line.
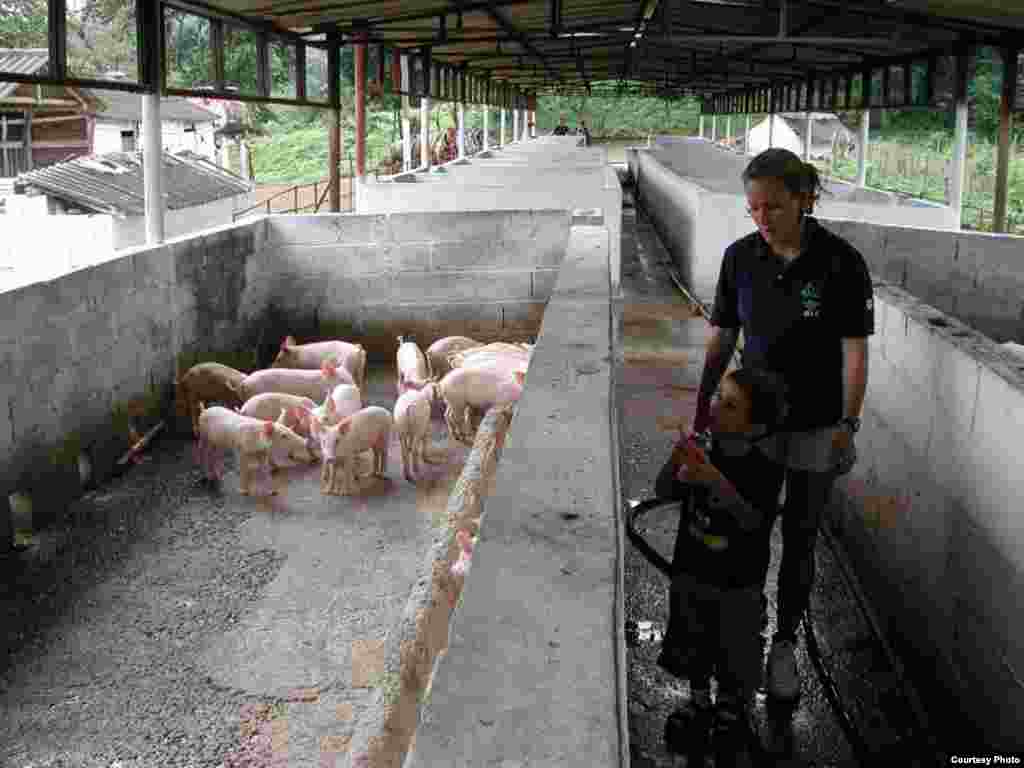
<point x="810" y="299"/>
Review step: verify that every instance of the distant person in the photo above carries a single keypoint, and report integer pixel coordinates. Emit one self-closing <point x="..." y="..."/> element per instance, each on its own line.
<point x="719" y="564"/>
<point x="803" y="298"/>
<point x="584" y="133"/>
<point x="561" y="129"/>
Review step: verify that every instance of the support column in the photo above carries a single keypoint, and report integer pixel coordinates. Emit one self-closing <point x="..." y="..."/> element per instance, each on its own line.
<point x="700" y="126"/>
<point x="1005" y="122"/>
<point x="501" y="128"/>
<point x="152" y="168"/>
<point x="406" y="119"/>
<point x="746" y="137"/>
<point x="360" y="85"/>
<point x="334" y="156"/>
<point x="244" y="167"/>
<point x="862" y="148"/>
<point x="714" y="128"/>
<point x="728" y="128"/>
<point x="461" y="130"/>
<point x="334" y="117"/>
<point x="807" y="137"/>
<point x="771" y="129"/>
<point x="425" y="159"/>
<point x="959" y="160"/>
<point x="533" y="124"/>
<point x="487" y="127"/>
<point x="515" y="124"/>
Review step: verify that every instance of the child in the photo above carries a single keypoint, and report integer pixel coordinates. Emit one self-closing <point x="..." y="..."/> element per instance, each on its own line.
<point x="721" y="556"/>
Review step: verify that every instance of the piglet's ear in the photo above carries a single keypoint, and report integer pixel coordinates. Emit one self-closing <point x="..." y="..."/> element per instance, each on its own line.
<point x="268" y="428"/>
<point x="289" y="341"/>
<point x="520" y="377"/>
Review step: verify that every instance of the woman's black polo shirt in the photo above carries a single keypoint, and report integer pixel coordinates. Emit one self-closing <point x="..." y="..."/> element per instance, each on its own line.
<point x="794" y="315"/>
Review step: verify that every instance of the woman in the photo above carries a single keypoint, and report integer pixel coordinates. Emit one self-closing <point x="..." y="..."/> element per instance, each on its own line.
<point x="803" y="297"/>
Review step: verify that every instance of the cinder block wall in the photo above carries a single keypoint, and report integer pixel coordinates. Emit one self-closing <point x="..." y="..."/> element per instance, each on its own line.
<point x="930" y="514"/>
<point x="105" y="337"/>
<point x="482" y="274"/>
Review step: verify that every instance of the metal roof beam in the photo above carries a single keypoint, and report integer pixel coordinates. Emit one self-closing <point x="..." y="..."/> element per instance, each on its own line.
<point x="519" y="37"/>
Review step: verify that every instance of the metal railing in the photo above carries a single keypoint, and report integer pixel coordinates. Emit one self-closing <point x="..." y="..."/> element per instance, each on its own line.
<point x="295" y="192"/>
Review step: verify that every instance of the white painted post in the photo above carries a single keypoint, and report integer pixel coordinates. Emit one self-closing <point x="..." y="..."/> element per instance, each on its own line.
<point x="243" y="159"/>
<point x="771" y="129"/>
<point x="714" y="128"/>
<point x="487" y="127"/>
<point x="406" y="119"/>
<point x="700" y="125"/>
<point x="862" y="148"/>
<point x="152" y="168"/>
<point x="515" y="124"/>
<point x="728" y="128"/>
<point x="501" y="128"/>
<point x="959" y="164"/>
<point x="461" y="131"/>
<point x="746" y="137"/>
<point x="807" y="137"/>
<point x="425" y="131"/>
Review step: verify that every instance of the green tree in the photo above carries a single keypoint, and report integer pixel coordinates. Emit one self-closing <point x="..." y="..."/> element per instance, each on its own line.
<point x="23" y="24"/>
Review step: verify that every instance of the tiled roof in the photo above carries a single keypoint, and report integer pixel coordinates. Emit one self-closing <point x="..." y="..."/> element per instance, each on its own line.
<point x="126" y="106"/>
<point x="24" y="61"/>
<point x="113" y="182"/>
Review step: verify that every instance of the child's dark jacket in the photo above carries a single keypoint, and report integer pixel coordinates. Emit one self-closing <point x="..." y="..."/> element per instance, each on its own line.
<point x="707" y="518"/>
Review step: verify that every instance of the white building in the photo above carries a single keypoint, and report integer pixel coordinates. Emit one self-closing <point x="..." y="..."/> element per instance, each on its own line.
<point x="828" y="134"/>
<point x="185" y="125"/>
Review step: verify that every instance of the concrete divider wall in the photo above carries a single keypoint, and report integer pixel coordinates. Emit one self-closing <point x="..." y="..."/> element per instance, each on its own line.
<point x="929" y="514"/>
<point x="413" y="646"/>
<point x="530" y="676"/>
<point x="976" y="277"/>
<point x="719" y="170"/>
<point x="482" y="274"/>
<point x="77" y="347"/>
<point x="490" y="189"/>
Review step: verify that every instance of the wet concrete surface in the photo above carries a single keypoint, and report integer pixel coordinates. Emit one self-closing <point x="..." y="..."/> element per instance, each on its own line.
<point x="664" y="341"/>
<point x="168" y="622"/>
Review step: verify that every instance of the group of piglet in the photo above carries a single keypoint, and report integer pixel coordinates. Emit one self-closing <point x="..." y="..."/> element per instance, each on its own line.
<point x="274" y="416"/>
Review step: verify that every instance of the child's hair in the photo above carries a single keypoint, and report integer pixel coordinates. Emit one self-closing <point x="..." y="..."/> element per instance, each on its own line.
<point x="796" y="175"/>
<point x="767" y="394"/>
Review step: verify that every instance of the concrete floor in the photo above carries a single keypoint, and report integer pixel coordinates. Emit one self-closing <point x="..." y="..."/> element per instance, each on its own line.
<point x="212" y="619"/>
<point x="664" y="349"/>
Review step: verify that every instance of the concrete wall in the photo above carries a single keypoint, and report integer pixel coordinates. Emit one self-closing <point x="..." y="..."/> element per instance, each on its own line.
<point x="107" y="335"/>
<point x="35" y="249"/>
<point x="534" y="671"/>
<point x="131" y="231"/>
<point x="929" y="513"/>
<point x="486" y="275"/>
<point x="976" y="277"/>
<point x="473" y="188"/>
<point x="719" y="170"/>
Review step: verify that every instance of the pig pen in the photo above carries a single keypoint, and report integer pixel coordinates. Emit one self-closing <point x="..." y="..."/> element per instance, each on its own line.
<point x="316" y="652"/>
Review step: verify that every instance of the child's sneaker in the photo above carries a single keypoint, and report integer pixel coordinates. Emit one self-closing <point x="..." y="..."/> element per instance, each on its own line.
<point x="735" y="739"/>
<point x="688" y="729"/>
<point x="783" y="677"/>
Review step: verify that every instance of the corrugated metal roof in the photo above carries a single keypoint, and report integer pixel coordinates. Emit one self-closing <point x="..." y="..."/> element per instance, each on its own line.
<point x="113" y="182"/>
<point x="23" y="61"/>
<point x="125" y="106"/>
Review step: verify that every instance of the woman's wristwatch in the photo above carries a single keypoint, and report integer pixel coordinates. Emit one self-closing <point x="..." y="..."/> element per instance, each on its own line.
<point x="850" y="422"/>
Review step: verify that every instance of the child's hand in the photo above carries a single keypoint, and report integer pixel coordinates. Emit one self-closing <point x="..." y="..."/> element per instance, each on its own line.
<point x="694" y="466"/>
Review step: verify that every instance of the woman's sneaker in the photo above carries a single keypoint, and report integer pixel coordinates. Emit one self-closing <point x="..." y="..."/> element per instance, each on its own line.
<point x="783" y="677"/>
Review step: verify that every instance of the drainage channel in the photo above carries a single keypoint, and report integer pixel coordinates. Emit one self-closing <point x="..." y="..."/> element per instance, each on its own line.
<point x="855" y="708"/>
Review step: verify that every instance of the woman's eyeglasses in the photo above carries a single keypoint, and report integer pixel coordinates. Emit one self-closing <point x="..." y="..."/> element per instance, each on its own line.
<point x="769" y="210"/>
